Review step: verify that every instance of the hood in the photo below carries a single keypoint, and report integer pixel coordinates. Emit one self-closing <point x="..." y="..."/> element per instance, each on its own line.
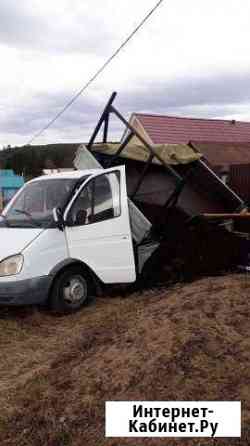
<point x="14" y="240"/>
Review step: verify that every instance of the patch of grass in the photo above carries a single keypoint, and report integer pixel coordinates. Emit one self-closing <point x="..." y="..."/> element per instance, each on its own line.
<point x="63" y="438"/>
<point x="3" y="425"/>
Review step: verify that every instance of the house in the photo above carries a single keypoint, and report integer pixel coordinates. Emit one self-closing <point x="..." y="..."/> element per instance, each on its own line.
<point x="225" y="144"/>
<point x="9" y="185"/>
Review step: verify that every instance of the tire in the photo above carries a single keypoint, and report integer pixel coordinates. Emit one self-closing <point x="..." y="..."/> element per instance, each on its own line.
<point x="70" y="291"/>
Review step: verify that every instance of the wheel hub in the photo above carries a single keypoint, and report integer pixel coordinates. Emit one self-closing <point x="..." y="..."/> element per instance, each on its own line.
<point x="75" y="290"/>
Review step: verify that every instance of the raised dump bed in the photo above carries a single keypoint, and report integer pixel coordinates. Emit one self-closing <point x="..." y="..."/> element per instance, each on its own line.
<point x="189" y="219"/>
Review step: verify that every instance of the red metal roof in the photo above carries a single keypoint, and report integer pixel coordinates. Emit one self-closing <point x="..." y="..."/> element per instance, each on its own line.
<point x="174" y="130"/>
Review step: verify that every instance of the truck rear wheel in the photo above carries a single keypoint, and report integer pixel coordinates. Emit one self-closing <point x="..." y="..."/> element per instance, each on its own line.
<point x="70" y="290"/>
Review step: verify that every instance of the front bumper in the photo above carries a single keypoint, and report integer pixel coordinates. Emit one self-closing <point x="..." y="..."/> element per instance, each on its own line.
<point x="25" y="292"/>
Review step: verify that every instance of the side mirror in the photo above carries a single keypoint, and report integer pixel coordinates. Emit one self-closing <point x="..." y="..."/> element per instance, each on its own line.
<point x="58" y="218"/>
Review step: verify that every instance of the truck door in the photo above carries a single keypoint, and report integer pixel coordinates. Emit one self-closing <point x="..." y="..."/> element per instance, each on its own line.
<point x="98" y="227"/>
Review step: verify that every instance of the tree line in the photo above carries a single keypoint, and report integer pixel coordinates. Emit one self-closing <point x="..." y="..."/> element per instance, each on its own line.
<point x="30" y="161"/>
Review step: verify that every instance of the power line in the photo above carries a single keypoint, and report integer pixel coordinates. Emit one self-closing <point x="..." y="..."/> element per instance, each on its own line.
<point x="101" y="69"/>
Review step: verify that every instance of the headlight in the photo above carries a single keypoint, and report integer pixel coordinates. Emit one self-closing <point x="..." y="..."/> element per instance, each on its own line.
<point x="11" y="265"/>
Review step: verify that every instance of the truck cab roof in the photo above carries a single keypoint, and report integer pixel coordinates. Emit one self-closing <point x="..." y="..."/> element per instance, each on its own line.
<point x="74" y="174"/>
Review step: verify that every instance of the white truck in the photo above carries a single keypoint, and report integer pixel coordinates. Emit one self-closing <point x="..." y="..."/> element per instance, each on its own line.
<point x="63" y="233"/>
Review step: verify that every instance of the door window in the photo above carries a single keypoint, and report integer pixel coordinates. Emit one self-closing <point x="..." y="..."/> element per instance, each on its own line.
<point x="98" y="201"/>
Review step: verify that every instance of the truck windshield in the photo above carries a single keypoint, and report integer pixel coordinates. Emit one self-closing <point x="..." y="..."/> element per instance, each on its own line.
<point x="33" y="206"/>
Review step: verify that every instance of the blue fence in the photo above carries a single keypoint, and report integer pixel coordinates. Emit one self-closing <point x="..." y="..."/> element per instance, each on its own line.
<point x="9" y="185"/>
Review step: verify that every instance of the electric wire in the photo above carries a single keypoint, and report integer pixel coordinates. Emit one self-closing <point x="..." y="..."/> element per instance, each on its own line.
<point x="98" y="72"/>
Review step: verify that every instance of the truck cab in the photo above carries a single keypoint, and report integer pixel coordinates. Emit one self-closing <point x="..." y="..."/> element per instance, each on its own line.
<point x="64" y="233"/>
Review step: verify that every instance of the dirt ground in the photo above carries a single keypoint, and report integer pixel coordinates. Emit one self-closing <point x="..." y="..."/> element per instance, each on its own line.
<point x="187" y="342"/>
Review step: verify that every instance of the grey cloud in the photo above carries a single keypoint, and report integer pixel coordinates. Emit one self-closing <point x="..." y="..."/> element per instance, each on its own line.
<point x="21" y="27"/>
<point x="16" y="23"/>
<point x="41" y="110"/>
<point x="79" y="120"/>
<point x="190" y="92"/>
<point x="209" y="97"/>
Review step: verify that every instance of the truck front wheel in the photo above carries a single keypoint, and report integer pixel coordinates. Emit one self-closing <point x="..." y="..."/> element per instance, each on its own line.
<point x="70" y="290"/>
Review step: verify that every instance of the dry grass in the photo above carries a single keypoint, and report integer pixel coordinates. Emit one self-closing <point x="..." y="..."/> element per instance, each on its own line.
<point x="190" y="342"/>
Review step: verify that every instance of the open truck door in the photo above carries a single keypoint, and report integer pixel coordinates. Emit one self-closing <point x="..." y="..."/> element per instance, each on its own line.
<point x="98" y="227"/>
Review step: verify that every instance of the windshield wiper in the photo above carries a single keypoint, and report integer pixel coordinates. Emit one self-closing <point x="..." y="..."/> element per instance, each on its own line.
<point x="20" y="211"/>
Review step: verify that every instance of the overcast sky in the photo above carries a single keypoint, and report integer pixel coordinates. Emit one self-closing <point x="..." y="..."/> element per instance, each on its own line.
<point x="191" y="59"/>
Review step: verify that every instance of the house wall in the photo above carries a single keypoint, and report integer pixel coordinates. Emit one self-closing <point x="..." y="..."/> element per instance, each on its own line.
<point x="137" y="126"/>
<point x="239" y="180"/>
<point x="237" y="177"/>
